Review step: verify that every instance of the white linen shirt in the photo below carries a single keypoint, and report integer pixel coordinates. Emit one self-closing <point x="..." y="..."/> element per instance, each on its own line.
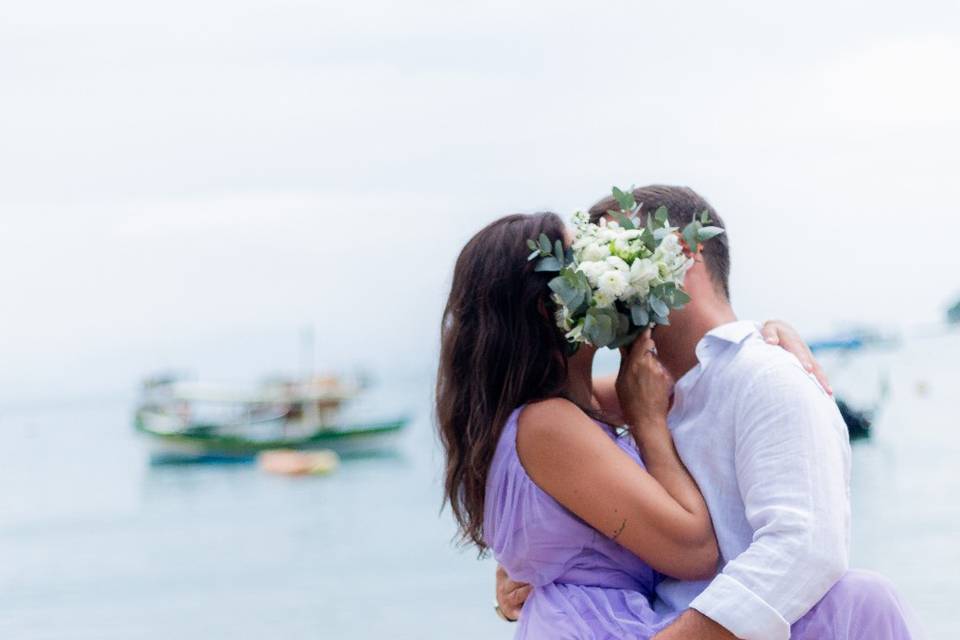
<point x="771" y="455"/>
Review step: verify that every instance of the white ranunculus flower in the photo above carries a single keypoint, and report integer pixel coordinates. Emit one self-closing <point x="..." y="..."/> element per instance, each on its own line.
<point x="633" y="291"/>
<point x="606" y="235"/>
<point x="583" y="241"/>
<point x="595" y="252"/>
<point x="593" y="270"/>
<point x="603" y="299"/>
<point x="612" y="282"/>
<point x="618" y="263"/>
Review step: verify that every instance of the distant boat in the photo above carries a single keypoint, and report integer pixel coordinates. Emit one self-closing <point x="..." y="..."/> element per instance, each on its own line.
<point x="953" y="313"/>
<point x="859" y="421"/>
<point x="853" y="340"/>
<point x="186" y="421"/>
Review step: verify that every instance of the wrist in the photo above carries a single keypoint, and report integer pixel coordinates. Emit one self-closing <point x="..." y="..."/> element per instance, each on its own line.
<point x="693" y="624"/>
<point x="644" y="423"/>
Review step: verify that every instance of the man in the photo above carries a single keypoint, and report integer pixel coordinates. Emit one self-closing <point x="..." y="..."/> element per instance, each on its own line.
<point x="771" y="456"/>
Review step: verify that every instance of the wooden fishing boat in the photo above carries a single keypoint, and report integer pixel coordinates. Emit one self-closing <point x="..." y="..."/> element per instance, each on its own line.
<point x="185" y="421"/>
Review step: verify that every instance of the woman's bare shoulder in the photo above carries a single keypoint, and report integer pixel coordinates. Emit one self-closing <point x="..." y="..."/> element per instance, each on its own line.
<point x="552" y="430"/>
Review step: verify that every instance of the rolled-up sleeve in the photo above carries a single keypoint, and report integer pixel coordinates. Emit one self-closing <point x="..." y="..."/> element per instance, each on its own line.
<point x="792" y="459"/>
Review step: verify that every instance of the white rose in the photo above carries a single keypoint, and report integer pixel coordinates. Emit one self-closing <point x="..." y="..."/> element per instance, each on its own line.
<point x="642" y="272"/>
<point x="669" y="246"/>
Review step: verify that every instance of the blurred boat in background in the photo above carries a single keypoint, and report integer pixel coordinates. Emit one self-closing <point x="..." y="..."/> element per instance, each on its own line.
<point x="192" y="421"/>
<point x="853" y="340"/>
<point x="859" y="421"/>
<point x="859" y="416"/>
<point x="953" y="313"/>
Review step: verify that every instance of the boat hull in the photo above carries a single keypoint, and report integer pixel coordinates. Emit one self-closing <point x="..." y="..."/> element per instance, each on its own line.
<point x="166" y="446"/>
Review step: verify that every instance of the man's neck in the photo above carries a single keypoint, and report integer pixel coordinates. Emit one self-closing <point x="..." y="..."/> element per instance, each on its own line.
<point x="677" y="343"/>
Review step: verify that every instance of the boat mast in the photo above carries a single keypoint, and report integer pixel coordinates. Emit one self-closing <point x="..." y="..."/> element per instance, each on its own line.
<point x="311" y="409"/>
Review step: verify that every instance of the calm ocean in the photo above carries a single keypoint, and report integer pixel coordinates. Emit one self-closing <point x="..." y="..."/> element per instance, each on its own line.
<point x="97" y="543"/>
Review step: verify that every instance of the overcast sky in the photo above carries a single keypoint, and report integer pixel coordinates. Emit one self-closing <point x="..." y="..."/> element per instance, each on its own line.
<point x="188" y="183"/>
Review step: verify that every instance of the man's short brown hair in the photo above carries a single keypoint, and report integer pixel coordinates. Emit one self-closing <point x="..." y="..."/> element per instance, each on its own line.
<point x="682" y="203"/>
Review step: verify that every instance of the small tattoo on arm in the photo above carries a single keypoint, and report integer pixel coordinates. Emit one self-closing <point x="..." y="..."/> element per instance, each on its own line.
<point x="616" y="534"/>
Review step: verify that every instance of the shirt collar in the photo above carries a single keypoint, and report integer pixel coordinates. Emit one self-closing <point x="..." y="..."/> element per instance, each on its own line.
<point x="710" y="345"/>
<point x="731" y="332"/>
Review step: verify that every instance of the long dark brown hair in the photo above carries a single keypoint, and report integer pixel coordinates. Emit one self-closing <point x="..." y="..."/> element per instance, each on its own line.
<point x="500" y="348"/>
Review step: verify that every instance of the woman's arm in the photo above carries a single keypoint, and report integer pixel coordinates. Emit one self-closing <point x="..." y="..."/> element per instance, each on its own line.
<point x="658" y="514"/>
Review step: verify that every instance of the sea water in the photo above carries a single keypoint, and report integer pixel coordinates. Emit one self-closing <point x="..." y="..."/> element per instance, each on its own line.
<point x="95" y="542"/>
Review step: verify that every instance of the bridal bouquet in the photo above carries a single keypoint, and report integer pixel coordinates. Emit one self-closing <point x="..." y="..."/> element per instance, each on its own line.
<point x="620" y="277"/>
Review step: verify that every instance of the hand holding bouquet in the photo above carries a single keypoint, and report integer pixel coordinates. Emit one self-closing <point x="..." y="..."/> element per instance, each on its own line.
<point x="620" y="276"/>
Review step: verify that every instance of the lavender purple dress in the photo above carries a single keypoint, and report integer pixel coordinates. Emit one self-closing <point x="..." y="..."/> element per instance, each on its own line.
<point x="587" y="587"/>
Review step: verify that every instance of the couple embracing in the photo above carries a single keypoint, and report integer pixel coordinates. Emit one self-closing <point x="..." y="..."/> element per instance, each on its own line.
<point x="701" y="493"/>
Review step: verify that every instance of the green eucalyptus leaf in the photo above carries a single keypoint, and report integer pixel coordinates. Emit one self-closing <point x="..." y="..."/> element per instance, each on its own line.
<point x="548" y="264"/>
<point x="558" y="250"/>
<point x="590" y="328"/>
<point x="600" y="326"/>
<point x="573" y="292"/>
<point x="562" y="287"/>
<point x="663" y="291"/>
<point x="544" y="243"/>
<point x="705" y="233"/>
<point x="623" y="220"/>
<point x="704" y="217"/>
<point x="681" y="297"/>
<point x="691" y="234"/>
<point x="658" y="307"/>
<point x="639" y="315"/>
<point x="660" y="216"/>
<point x="649" y="240"/>
<point x="533" y="244"/>
<point x="623" y="198"/>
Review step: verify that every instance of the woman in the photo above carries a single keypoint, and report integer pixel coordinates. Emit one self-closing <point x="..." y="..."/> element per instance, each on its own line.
<point x="535" y="471"/>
